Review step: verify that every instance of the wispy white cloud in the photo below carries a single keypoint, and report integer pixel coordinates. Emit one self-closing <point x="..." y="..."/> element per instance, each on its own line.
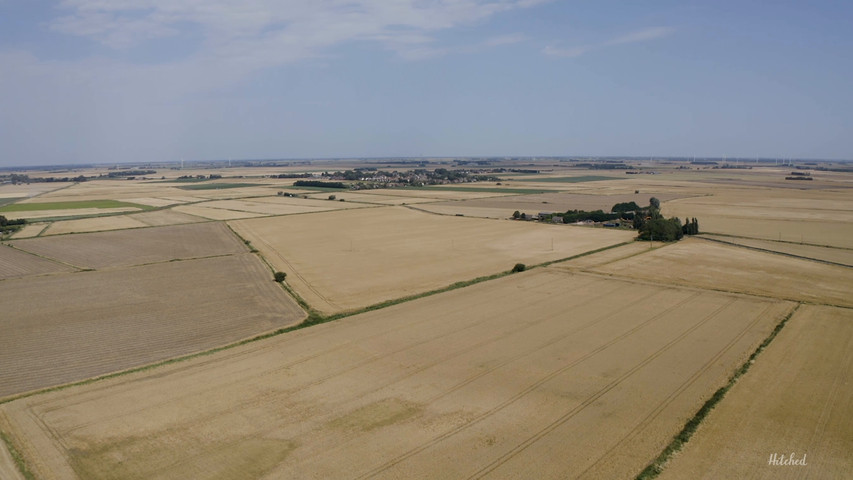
<point x="276" y="31"/>
<point x="644" y="35"/>
<point x="641" y="35"/>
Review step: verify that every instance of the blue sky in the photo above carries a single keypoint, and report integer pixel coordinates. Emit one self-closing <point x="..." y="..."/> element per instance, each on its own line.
<point x="85" y="81"/>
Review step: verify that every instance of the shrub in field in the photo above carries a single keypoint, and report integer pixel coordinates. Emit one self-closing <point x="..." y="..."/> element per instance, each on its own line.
<point x="280" y="276"/>
<point x="519" y="267"/>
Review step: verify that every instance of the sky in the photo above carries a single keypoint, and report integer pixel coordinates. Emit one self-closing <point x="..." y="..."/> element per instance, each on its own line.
<point x="115" y="81"/>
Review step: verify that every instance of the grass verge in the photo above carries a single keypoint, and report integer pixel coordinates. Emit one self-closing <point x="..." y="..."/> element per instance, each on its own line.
<point x="20" y="463"/>
<point x="34" y="207"/>
<point x="656" y="467"/>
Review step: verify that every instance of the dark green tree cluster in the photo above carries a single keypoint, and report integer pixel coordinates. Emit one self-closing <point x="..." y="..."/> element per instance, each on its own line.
<point x="653" y="226"/>
<point x="8" y="226"/>
<point x="573" y="216"/>
<point x="626" y="207"/>
<point x="318" y="183"/>
<point x="691" y="227"/>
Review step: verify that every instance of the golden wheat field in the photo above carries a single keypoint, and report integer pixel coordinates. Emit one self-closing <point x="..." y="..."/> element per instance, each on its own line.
<point x="795" y="402"/>
<point x="543" y="373"/>
<point x="345" y="260"/>
<point x="155" y="344"/>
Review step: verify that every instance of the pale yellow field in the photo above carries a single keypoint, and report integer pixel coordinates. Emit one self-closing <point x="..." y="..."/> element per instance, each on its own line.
<point x="137" y="246"/>
<point x="503" y="207"/>
<point x="796" y="399"/>
<point x="543" y="374"/>
<point x="95" y="224"/>
<point x="829" y="254"/>
<point x="30" y="230"/>
<point x="165" y="217"/>
<point x="67" y="327"/>
<point x="434" y="193"/>
<point x="118" y="222"/>
<point x="214" y="213"/>
<point x="281" y="205"/>
<point x="372" y="198"/>
<point x="712" y="265"/>
<point x="815" y="217"/>
<point x="22" y="190"/>
<point x="345" y="260"/>
<point x="608" y="256"/>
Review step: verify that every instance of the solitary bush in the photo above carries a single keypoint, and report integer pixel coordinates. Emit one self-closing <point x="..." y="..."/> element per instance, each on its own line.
<point x="332" y="197"/>
<point x="280" y="276"/>
<point x="519" y="267"/>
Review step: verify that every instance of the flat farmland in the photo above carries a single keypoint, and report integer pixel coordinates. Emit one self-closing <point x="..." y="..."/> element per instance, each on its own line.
<point x="608" y="256"/>
<point x="795" y="399"/>
<point x="840" y="255"/>
<point x="281" y="205"/>
<point x="706" y="264"/>
<point x="345" y="260"/>
<point x="543" y="374"/>
<point x="502" y="207"/>
<point x="360" y="197"/>
<point x="30" y="230"/>
<point x="814" y="217"/>
<point x="93" y="323"/>
<point x="215" y="213"/>
<point x="95" y="224"/>
<point x="137" y="246"/>
<point x="15" y="263"/>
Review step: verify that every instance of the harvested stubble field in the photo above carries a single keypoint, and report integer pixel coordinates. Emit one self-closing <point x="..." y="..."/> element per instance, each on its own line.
<point x="67" y="327"/>
<point x="133" y="220"/>
<point x="840" y="255"/>
<point x="136" y="246"/>
<point x="502" y="207"/>
<point x="608" y="256"/>
<point x="281" y="205"/>
<point x="30" y="230"/>
<point x="813" y="217"/>
<point x="796" y="399"/>
<point x="385" y="253"/>
<point x="15" y="263"/>
<point x="95" y="224"/>
<point x="543" y="374"/>
<point x="214" y="213"/>
<point x="705" y="264"/>
<point x="372" y="198"/>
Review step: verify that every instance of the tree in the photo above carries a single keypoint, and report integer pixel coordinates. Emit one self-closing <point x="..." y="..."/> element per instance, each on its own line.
<point x="516" y="214"/>
<point x="332" y="197"/>
<point x="280" y="276"/>
<point x="519" y="267"/>
<point x="625" y="207"/>
<point x="654" y="203"/>
<point x="664" y="230"/>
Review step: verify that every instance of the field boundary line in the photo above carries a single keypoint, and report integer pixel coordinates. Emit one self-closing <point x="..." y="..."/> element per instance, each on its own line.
<point x="659" y="463"/>
<point x="647" y="420"/>
<point x="539" y="382"/>
<point x="79" y="269"/>
<point x="773" y="240"/>
<point x="313" y="318"/>
<point x="592" y="399"/>
<point x="642" y="281"/>
<point x="765" y="250"/>
<point x="17" y="458"/>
